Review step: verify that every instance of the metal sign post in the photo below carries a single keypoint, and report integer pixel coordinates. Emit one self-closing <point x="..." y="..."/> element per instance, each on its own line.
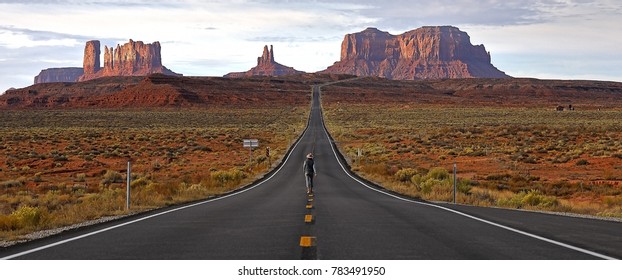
<point x="129" y="183"/>
<point x="455" y="181"/>
<point x="250" y="144"/>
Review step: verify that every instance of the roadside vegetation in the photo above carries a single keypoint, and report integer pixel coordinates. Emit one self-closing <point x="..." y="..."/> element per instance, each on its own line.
<point x="526" y="158"/>
<point x="62" y="167"/>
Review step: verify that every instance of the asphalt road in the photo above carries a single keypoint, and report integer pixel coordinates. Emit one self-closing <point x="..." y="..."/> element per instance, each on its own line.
<point x="350" y="219"/>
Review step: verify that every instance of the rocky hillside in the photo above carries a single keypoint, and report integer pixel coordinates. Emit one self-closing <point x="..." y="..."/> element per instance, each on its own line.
<point x="158" y="90"/>
<point x="425" y="53"/>
<point x="266" y="66"/>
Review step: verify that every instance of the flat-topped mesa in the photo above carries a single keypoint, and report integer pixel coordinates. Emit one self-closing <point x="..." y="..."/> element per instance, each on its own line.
<point x="134" y="58"/>
<point x="266" y="66"/>
<point x="430" y="52"/>
<point x="59" y="75"/>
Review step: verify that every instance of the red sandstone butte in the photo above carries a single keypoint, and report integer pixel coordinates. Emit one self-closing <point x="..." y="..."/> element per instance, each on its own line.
<point x="266" y="66"/>
<point x="433" y="52"/>
<point x="134" y="58"/>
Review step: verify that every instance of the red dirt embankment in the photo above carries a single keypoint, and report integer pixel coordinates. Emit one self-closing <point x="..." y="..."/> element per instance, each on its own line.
<point x="159" y="90"/>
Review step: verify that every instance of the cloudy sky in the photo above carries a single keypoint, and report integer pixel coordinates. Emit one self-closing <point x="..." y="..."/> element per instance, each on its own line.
<point x="561" y="39"/>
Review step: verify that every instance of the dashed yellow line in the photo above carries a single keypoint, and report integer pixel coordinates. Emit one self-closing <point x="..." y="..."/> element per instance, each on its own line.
<point x="307" y="241"/>
<point x="309" y="206"/>
<point x="308" y="219"/>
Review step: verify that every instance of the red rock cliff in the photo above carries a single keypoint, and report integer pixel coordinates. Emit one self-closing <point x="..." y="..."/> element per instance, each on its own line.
<point x="91" y="63"/>
<point x="424" y="53"/>
<point x="266" y="66"/>
<point x="134" y="58"/>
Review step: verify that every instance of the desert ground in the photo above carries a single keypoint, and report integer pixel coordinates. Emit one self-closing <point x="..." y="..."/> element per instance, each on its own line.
<point x="511" y="145"/>
<point x="64" y="147"/>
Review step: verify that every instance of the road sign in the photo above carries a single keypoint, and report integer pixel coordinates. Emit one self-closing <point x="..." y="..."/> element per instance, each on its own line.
<point x="251" y="143"/>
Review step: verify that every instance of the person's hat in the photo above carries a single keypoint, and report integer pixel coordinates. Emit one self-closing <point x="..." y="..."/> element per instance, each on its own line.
<point x="310" y="155"/>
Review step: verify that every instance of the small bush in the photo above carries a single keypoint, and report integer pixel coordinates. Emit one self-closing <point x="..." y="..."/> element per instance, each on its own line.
<point x="27" y="216"/>
<point x="582" y="162"/>
<point x="464" y="186"/>
<point x="112" y="177"/>
<point x="80" y="177"/>
<point x="12" y="184"/>
<point x="499" y="177"/>
<point x="536" y="198"/>
<point x="532" y="198"/>
<point x="438" y="173"/>
<point x="225" y="177"/>
<point x="405" y="175"/>
<point x="140" y="182"/>
<point x="8" y="222"/>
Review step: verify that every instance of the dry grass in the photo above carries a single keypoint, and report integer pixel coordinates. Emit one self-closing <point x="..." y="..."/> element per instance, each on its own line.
<point x="532" y="158"/>
<point x="62" y="167"/>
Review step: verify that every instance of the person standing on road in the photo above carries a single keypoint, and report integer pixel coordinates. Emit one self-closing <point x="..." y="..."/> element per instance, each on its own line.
<point x="308" y="167"/>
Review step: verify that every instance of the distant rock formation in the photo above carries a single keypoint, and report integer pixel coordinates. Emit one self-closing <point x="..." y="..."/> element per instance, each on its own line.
<point x="425" y="53"/>
<point x="266" y="66"/>
<point x="134" y="58"/>
<point x="56" y="75"/>
<point x="91" y="57"/>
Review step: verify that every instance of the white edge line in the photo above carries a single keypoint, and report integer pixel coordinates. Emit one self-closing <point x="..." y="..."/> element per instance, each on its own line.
<point x="568" y="246"/>
<point x="157" y="214"/>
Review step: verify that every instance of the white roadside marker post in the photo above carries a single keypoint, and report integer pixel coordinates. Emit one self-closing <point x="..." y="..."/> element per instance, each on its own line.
<point x="455" y="183"/>
<point x="129" y="182"/>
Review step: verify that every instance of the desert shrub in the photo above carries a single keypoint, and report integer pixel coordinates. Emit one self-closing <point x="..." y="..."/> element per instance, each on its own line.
<point x="140" y="182"/>
<point x="416" y="179"/>
<point x="427" y="186"/>
<point x="8" y="222"/>
<point x="28" y="216"/>
<point x="405" y="174"/>
<point x="532" y="198"/>
<point x="536" y="198"/>
<point x="112" y="177"/>
<point x="233" y="176"/>
<point x="582" y="162"/>
<point x="12" y="184"/>
<point x="519" y="182"/>
<point x="464" y="186"/>
<point x="438" y="173"/>
<point x="261" y="159"/>
<point x="108" y="200"/>
<point x="499" y="177"/>
<point x="80" y="177"/>
<point x="432" y="184"/>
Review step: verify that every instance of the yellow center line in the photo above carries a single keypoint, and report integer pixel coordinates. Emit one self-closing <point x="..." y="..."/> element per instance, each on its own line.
<point x="307" y="241"/>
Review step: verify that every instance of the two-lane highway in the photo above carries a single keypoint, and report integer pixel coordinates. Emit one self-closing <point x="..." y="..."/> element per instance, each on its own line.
<point x="352" y="220"/>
